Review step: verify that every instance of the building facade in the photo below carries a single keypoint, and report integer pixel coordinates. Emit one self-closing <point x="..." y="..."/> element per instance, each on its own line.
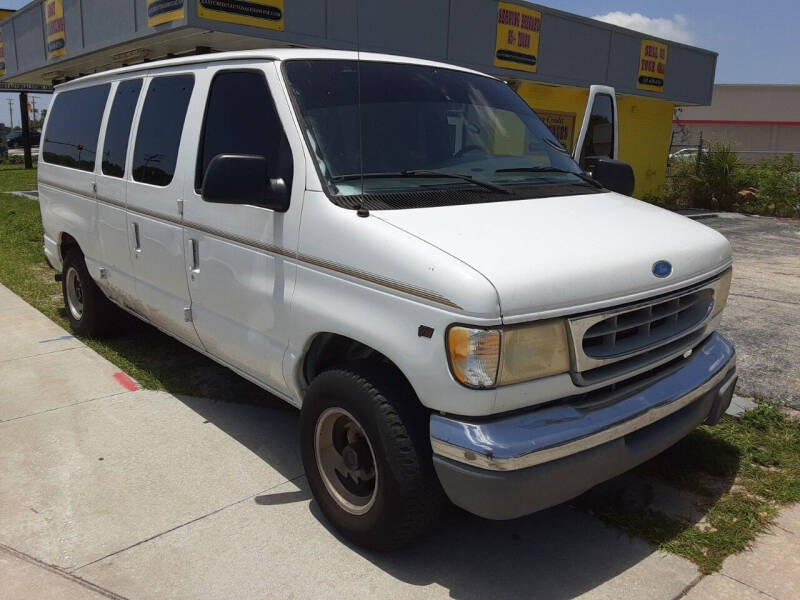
<point x="551" y="57"/>
<point x="761" y="121"/>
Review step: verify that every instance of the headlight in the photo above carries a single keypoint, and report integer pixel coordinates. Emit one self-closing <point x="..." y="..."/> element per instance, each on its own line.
<point x="721" y="292"/>
<point x="484" y="358"/>
<point x="533" y="351"/>
<point x="474" y="355"/>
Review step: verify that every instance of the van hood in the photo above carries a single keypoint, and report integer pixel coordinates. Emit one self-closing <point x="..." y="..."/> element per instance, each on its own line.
<point x="550" y="256"/>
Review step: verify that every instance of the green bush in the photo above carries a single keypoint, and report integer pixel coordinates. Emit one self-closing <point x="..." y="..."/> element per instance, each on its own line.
<point x="716" y="170"/>
<point x="681" y="185"/>
<point x="717" y="180"/>
<point x="775" y="187"/>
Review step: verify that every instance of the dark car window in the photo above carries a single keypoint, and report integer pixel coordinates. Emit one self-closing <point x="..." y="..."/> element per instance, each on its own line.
<point x="225" y="131"/>
<point x="118" y="130"/>
<point x="386" y="128"/>
<point x="160" y="127"/>
<point x="600" y="131"/>
<point x="74" y="127"/>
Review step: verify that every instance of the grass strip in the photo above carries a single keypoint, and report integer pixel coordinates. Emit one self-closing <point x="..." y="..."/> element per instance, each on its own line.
<point x="16" y="178"/>
<point x="744" y="469"/>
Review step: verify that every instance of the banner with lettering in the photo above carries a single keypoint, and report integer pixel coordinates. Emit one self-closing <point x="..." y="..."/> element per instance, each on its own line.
<point x="164" y="11"/>
<point x="54" y="26"/>
<point x="267" y="14"/>
<point x="561" y="125"/>
<point x="652" y="66"/>
<point x="517" y="42"/>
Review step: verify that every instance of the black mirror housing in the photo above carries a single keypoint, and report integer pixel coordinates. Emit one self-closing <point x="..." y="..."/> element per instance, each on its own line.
<point x="614" y="175"/>
<point x="277" y="195"/>
<point x="242" y="179"/>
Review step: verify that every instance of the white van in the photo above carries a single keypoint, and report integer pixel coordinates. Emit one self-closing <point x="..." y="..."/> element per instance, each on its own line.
<point x="402" y="250"/>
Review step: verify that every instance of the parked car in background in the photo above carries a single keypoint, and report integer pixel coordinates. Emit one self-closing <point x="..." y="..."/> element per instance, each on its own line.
<point x="461" y="312"/>
<point x="14" y="139"/>
<point x="685" y="153"/>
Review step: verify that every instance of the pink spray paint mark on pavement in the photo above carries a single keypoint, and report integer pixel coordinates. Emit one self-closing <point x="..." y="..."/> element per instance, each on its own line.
<point x="126" y="382"/>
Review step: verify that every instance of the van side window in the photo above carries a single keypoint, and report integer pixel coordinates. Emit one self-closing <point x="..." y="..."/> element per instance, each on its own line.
<point x="241" y="119"/>
<point x="160" y="128"/>
<point x="600" y="132"/>
<point x="118" y="130"/>
<point x="74" y="127"/>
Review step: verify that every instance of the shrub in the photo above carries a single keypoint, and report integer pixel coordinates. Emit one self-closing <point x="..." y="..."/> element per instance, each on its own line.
<point x="716" y="171"/>
<point x="776" y="184"/>
<point x="717" y="180"/>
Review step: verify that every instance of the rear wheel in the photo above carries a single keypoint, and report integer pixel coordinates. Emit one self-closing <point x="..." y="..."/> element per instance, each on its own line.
<point x="89" y="311"/>
<point x="367" y="457"/>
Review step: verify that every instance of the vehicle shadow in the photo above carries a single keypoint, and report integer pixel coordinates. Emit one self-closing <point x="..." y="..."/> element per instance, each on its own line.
<point x="177" y="368"/>
<point x="561" y="552"/>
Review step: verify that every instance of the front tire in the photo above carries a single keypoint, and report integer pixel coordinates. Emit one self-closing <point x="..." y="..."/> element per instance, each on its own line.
<point x="89" y="312"/>
<point x="367" y="457"/>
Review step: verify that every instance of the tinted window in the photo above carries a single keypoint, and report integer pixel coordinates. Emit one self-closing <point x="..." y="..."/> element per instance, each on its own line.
<point x="241" y="119"/>
<point x="74" y="126"/>
<point x="119" y="127"/>
<point x="160" y="128"/>
<point x="600" y="133"/>
<point x="370" y="124"/>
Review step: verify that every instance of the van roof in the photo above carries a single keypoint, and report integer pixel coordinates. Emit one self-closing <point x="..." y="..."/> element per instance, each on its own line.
<point x="270" y="54"/>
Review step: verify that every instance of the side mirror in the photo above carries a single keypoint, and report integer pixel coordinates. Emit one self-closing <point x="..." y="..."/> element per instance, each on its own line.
<point x="242" y="179"/>
<point x="614" y="175"/>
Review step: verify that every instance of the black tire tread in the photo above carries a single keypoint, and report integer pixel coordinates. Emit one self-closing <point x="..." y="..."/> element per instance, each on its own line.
<point x="420" y="494"/>
<point x="99" y="313"/>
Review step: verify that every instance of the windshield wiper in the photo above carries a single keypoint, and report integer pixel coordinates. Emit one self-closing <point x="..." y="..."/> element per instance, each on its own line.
<point x="423" y="173"/>
<point x="583" y="176"/>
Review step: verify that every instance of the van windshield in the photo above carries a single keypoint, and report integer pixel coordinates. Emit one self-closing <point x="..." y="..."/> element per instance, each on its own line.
<point x="423" y="128"/>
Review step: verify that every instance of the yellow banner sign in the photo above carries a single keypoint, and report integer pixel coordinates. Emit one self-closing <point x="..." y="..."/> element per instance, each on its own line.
<point x="561" y="125"/>
<point x="652" y="66"/>
<point x="517" y="42"/>
<point x="164" y="11"/>
<point x="267" y="14"/>
<point x="5" y="13"/>
<point x="54" y="26"/>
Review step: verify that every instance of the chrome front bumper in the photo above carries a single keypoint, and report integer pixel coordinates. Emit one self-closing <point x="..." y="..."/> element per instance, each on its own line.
<point x="559" y="451"/>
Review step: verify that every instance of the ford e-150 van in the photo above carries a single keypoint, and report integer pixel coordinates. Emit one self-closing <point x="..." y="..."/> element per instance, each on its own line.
<point x="402" y="250"/>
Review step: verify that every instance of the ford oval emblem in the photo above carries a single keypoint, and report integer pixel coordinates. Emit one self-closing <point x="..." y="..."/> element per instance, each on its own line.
<point x="662" y="269"/>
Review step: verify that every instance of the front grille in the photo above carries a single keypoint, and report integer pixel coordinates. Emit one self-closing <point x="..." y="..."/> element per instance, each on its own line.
<point x="613" y="344"/>
<point x="648" y="326"/>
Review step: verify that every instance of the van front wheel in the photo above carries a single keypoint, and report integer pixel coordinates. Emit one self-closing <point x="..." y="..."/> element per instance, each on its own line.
<point x="89" y="312"/>
<point x="366" y="455"/>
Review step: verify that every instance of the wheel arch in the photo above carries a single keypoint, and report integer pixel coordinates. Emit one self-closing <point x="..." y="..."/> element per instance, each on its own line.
<point x="66" y="243"/>
<point x="328" y="349"/>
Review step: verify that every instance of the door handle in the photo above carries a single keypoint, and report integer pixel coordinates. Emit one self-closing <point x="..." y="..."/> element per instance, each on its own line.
<point x="195" y="255"/>
<point x="137" y="243"/>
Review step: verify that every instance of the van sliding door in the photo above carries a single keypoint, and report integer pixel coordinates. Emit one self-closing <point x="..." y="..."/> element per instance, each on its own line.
<point x="112" y="227"/>
<point x="155" y="201"/>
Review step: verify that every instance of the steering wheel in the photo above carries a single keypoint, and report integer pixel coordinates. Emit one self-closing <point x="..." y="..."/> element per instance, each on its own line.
<point x="471" y="148"/>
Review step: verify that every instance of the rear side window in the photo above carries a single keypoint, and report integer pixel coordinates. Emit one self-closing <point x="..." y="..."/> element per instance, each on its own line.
<point x="74" y="127"/>
<point x="160" y="128"/>
<point x="118" y="130"/>
<point x="241" y="119"/>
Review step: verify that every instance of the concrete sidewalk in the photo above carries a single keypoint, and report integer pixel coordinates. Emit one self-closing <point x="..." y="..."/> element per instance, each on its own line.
<point x="110" y="492"/>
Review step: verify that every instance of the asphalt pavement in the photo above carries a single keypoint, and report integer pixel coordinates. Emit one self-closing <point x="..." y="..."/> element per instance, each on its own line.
<point x="762" y="318"/>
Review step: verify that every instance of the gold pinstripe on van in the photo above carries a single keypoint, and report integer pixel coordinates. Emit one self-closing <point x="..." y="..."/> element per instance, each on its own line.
<point x="380" y="280"/>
